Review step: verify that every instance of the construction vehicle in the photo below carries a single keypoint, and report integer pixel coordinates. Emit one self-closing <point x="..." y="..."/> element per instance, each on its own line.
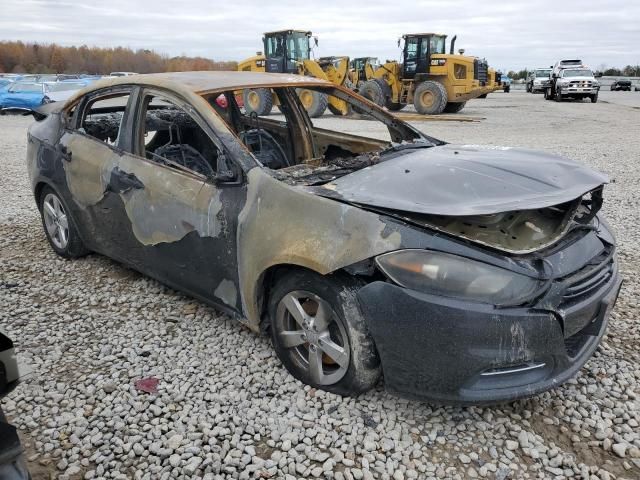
<point x="434" y="81"/>
<point x="493" y="83"/>
<point x="289" y="51"/>
<point x="361" y="69"/>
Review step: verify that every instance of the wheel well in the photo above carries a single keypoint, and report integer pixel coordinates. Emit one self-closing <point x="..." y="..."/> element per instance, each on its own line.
<point x="38" y="191"/>
<point x="266" y="283"/>
<point x="268" y="280"/>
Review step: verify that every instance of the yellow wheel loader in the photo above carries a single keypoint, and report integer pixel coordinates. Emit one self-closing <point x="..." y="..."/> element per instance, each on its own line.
<point x="361" y="69"/>
<point x="289" y="51"/>
<point x="434" y="81"/>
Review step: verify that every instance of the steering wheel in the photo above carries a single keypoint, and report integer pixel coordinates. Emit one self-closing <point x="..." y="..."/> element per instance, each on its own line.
<point x="186" y="156"/>
<point x="265" y="148"/>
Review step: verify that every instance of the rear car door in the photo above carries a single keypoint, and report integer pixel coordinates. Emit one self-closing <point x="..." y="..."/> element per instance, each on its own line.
<point x="178" y="215"/>
<point x="90" y="148"/>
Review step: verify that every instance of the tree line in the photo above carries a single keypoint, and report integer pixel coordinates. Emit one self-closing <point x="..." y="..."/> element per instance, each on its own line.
<point x="628" y="71"/>
<point x="19" y="57"/>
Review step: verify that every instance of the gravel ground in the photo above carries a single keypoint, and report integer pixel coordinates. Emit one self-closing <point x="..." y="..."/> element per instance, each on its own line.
<point x="226" y="408"/>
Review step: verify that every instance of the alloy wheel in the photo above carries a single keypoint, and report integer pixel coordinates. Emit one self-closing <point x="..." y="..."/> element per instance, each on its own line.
<point x="310" y="330"/>
<point x="56" y="221"/>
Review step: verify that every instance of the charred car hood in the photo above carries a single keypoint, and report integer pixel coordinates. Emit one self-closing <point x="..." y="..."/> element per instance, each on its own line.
<point x="465" y="180"/>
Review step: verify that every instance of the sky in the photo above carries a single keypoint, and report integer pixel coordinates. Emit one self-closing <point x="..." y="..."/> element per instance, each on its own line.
<point x="510" y="34"/>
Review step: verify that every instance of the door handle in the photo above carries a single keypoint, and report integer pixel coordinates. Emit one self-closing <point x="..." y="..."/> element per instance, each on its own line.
<point x="122" y="181"/>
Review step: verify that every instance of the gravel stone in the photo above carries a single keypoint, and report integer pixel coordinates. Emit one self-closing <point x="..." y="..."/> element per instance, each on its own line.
<point x="620" y="449"/>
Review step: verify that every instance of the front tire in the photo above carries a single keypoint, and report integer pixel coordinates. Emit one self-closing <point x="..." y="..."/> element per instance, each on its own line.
<point x="430" y="98"/>
<point x="558" y="95"/>
<point x="320" y="335"/>
<point x="454" y="107"/>
<point x="258" y="100"/>
<point x="594" y="98"/>
<point x="59" y="226"/>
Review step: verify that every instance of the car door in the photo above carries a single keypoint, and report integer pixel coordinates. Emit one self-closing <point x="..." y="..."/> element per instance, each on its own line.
<point x="178" y="213"/>
<point x="88" y="151"/>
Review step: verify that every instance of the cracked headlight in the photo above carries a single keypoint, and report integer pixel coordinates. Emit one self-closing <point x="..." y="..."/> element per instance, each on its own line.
<point x="449" y="275"/>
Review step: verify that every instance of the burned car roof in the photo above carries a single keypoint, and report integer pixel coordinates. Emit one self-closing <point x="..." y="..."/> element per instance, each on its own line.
<point x="205" y="81"/>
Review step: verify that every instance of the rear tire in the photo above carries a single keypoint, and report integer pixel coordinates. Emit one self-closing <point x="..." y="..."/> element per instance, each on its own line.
<point x="507" y="89"/>
<point x="315" y="103"/>
<point x="335" y="340"/>
<point x="59" y="227"/>
<point x="373" y="90"/>
<point x="430" y="98"/>
<point x="258" y="100"/>
<point x="395" y="107"/>
<point x="454" y="107"/>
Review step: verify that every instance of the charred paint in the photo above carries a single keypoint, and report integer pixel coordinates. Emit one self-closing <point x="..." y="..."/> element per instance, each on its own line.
<point x="288" y="226"/>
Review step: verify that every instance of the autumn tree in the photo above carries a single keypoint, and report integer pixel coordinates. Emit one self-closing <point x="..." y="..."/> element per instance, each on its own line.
<point x="19" y="57"/>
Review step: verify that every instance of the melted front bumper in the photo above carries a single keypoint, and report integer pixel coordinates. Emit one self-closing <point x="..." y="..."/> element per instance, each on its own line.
<point x="452" y="351"/>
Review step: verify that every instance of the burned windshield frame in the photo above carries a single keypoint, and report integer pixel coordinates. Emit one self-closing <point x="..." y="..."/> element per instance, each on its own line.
<point x="399" y="130"/>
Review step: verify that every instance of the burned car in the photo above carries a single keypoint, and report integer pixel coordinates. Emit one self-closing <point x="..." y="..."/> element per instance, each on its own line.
<point x="462" y="273"/>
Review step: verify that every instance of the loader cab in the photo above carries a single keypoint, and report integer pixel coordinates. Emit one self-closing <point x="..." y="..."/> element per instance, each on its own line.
<point x="358" y="66"/>
<point x="418" y="48"/>
<point x="284" y="49"/>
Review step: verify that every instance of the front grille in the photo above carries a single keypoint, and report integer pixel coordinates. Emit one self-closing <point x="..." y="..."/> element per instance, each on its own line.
<point x="590" y="278"/>
<point x="579" y="83"/>
<point x="480" y="71"/>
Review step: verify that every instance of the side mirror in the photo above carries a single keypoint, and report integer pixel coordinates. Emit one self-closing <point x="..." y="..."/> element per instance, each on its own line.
<point x="399" y="42"/>
<point x="315" y="40"/>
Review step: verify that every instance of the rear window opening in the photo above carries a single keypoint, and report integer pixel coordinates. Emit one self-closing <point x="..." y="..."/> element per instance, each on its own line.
<point x="301" y="148"/>
<point x="102" y="117"/>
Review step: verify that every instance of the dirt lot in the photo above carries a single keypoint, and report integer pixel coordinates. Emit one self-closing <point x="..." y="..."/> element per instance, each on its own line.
<point x="226" y="408"/>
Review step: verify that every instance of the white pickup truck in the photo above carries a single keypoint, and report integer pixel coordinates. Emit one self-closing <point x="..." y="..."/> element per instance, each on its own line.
<point x="572" y="79"/>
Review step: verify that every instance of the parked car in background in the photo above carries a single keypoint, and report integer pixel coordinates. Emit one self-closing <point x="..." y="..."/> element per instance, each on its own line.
<point x="5" y="83"/>
<point x="465" y="274"/>
<point x="572" y="79"/>
<point x="618" y="85"/>
<point x="49" y="77"/>
<point x="60" y="91"/>
<point x="538" y="80"/>
<point x="27" y="96"/>
<point x="505" y="81"/>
